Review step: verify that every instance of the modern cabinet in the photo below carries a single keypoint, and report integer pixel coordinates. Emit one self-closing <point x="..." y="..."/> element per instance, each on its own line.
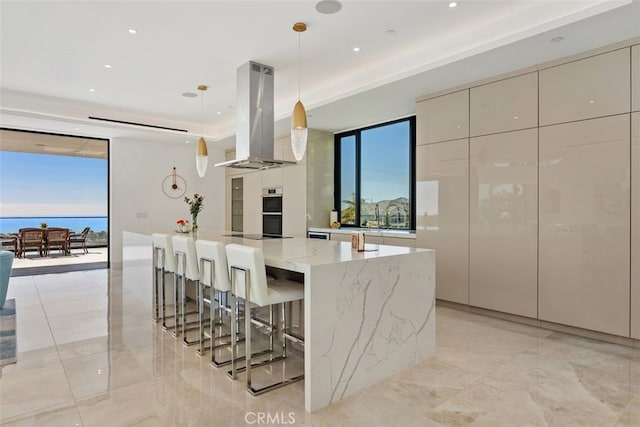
<point x="236" y="204"/>
<point x="635" y="225"/>
<point x="341" y="237"/>
<point x="294" y="204"/>
<point x="635" y="77"/>
<point x="252" y="202"/>
<point x="442" y="214"/>
<point x="592" y="87"/>
<point x="505" y="105"/>
<point x="584" y="220"/>
<point x="443" y="118"/>
<point x="503" y="217"/>
<point x="399" y="241"/>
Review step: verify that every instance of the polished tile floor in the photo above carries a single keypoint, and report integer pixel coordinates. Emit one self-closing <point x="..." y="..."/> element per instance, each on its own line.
<point x="89" y="355"/>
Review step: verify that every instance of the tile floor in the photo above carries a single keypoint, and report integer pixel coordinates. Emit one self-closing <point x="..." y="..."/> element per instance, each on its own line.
<point x="90" y="355"/>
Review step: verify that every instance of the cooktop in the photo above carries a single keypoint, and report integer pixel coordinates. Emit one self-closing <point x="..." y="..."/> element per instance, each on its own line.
<point x="257" y="236"/>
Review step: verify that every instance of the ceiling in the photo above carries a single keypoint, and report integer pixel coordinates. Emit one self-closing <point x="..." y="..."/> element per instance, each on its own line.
<point x="45" y="143"/>
<point x="54" y="52"/>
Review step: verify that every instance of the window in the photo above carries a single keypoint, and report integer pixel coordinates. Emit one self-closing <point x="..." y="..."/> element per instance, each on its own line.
<point x="375" y="177"/>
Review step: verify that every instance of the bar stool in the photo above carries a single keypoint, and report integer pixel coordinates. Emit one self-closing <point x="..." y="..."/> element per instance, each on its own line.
<point x="163" y="264"/>
<point x="249" y="282"/>
<point x="214" y="274"/>
<point x="186" y="268"/>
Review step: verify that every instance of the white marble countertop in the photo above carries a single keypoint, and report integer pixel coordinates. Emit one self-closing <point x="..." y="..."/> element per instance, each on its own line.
<point x="299" y="254"/>
<point x="402" y="234"/>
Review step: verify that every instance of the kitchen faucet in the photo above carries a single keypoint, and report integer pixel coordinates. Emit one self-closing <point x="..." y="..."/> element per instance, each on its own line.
<point x="377" y="215"/>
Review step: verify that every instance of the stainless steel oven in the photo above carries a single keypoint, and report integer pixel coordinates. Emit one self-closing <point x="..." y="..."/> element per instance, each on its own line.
<point x="272" y="211"/>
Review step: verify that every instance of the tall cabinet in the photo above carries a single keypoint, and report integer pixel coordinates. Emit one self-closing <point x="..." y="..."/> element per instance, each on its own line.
<point x="535" y="210"/>
<point x="635" y="196"/>
<point x="503" y="185"/>
<point x="442" y="190"/>
<point x="584" y="224"/>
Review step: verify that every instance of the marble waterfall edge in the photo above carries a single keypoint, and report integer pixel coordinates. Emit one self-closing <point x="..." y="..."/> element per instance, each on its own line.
<point x="378" y="319"/>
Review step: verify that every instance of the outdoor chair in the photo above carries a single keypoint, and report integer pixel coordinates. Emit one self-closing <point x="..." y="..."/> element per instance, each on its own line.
<point x="57" y="238"/>
<point x="9" y="242"/>
<point x="31" y="238"/>
<point x="80" y="238"/>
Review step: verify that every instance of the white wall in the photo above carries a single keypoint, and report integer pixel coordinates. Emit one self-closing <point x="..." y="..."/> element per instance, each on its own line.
<point x="137" y="170"/>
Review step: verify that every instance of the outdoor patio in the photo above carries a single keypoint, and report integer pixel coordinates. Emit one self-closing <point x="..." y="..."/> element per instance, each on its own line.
<point x="57" y="261"/>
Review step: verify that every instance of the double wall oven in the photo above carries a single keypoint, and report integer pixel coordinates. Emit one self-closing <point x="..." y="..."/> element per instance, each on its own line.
<point x="272" y="211"/>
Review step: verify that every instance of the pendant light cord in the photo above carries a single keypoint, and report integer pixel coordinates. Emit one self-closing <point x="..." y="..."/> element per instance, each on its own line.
<point x="201" y="114"/>
<point x="298" y="66"/>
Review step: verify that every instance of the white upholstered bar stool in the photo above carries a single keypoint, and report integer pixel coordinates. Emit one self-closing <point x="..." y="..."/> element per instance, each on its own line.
<point x="163" y="258"/>
<point x="186" y="268"/>
<point x="249" y="282"/>
<point x="214" y="275"/>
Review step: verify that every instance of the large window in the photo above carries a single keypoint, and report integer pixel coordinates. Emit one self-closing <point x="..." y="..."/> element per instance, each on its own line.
<point x="375" y="176"/>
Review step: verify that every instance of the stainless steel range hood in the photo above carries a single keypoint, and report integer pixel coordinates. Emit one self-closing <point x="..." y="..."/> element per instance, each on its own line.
<point x="254" y="119"/>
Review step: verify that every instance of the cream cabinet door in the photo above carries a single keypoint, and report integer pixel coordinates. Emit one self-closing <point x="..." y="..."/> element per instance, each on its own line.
<point x="443" y="118"/>
<point x="252" y="202"/>
<point x="505" y="105"/>
<point x="584" y="224"/>
<point x="635" y="225"/>
<point x="442" y="214"/>
<point x="340" y="237"/>
<point x="503" y="217"/>
<point x="400" y="241"/>
<point x="592" y="87"/>
<point x="294" y="201"/>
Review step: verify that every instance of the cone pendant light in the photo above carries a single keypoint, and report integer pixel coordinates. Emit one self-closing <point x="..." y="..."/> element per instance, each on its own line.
<point x="299" y="131"/>
<point x="202" y="156"/>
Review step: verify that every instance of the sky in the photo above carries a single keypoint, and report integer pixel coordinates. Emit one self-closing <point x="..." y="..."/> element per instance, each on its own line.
<point x="50" y="185"/>
<point x="384" y="162"/>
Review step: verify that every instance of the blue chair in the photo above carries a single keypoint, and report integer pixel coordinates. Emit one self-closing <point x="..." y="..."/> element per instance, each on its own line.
<point x="6" y="262"/>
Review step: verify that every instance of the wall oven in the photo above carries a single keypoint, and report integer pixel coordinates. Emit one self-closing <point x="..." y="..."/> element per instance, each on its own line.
<point x="272" y="211"/>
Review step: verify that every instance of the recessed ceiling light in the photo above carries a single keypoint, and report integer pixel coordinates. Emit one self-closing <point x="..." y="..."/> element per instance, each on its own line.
<point x="591" y="101"/>
<point x="92" y="90"/>
<point x="132" y="31"/>
<point x="189" y="95"/>
<point x="515" y="117"/>
<point x="328" y="7"/>
<point x="219" y="112"/>
<point x="453" y="4"/>
<point x="107" y="66"/>
<point x="186" y="142"/>
<point x="557" y="39"/>
<point x="356" y="49"/>
<point x="76" y="128"/>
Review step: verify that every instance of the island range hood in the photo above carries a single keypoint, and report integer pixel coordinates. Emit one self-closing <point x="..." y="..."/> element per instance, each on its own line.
<point x="254" y="119"/>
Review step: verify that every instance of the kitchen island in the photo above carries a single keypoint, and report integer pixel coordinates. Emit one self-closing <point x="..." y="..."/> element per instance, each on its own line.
<point x="367" y="315"/>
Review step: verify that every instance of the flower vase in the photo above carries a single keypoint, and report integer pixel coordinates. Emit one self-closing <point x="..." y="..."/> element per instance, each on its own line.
<point x="194" y="224"/>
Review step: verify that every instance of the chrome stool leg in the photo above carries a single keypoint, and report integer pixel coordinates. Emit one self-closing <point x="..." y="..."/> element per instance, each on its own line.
<point x="181" y="310"/>
<point x="248" y="353"/>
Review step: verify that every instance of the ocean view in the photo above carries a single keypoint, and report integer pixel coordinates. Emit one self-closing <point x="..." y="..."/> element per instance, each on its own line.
<point x="13" y="224"/>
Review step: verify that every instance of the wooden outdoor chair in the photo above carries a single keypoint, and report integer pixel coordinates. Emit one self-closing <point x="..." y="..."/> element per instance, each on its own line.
<point x="80" y="238"/>
<point x="58" y="238"/>
<point x="31" y="238"/>
<point x="9" y="243"/>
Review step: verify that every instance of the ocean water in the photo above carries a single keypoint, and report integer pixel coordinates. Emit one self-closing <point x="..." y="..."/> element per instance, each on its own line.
<point x="13" y="224"/>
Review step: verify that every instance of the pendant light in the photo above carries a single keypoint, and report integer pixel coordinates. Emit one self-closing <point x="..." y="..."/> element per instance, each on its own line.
<point x="202" y="156"/>
<point x="299" y="129"/>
